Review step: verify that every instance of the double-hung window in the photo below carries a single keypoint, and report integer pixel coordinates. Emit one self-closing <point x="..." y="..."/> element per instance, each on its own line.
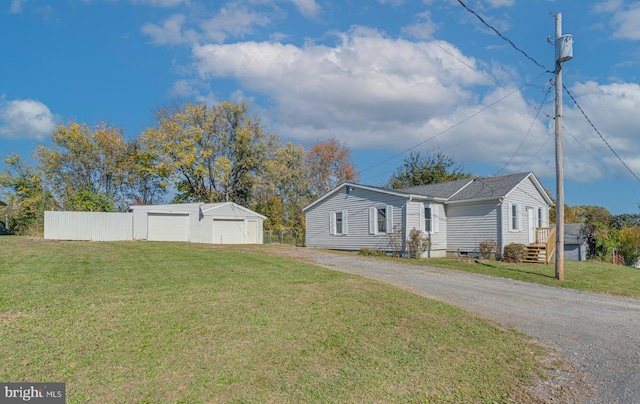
<point x="427" y="219"/>
<point x="338" y="223"/>
<point x="514" y="217"/>
<point x="381" y="219"/>
<point x="540" y="218"/>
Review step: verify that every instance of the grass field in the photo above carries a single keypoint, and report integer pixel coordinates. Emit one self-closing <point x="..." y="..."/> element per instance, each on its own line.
<point x="145" y="322"/>
<point x="593" y="276"/>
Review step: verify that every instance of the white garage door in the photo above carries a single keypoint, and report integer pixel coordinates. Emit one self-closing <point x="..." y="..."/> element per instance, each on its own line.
<point x="228" y="231"/>
<point x="168" y="227"/>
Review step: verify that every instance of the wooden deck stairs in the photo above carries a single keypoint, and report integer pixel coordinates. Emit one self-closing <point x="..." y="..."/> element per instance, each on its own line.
<point x="542" y="250"/>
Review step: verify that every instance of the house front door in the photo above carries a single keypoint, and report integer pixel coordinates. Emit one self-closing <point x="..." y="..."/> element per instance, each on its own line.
<point x="531" y="223"/>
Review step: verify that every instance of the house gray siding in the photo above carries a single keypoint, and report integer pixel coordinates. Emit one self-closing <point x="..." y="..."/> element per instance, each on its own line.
<point x="356" y="203"/>
<point x="469" y="224"/>
<point x="525" y="197"/>
<point x="438" y="246"/>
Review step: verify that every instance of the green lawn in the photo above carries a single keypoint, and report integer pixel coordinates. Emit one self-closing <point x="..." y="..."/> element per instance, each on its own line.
<point x="593" y="276"/>
<point x="151" y="322"/>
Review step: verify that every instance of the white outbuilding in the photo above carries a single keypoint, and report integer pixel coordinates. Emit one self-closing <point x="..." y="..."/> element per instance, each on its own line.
<point x="213" y="223"/>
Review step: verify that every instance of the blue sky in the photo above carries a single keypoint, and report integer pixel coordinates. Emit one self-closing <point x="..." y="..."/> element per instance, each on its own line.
<point x="385" y="77"/>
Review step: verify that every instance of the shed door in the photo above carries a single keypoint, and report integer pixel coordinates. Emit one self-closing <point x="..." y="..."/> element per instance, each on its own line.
<point x="252" y="232"/>
<point x="167" y="227"/>
<point x="229" y="231"/>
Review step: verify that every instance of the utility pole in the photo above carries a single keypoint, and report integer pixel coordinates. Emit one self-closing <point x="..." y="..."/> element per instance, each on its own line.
<point x="563" y="52"/>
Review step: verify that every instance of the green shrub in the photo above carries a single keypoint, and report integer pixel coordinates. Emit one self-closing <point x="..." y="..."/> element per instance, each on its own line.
<point x="372" y="252"/>
<point x="417" y="243"/>
<point x="488" y="249"/>
<point x="513" y="252"/>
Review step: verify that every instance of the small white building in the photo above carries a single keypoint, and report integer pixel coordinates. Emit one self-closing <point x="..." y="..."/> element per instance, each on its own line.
<point x="212" y="223"/>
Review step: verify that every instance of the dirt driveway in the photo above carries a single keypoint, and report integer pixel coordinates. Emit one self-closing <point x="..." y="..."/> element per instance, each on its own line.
<point x="598" y="336"/>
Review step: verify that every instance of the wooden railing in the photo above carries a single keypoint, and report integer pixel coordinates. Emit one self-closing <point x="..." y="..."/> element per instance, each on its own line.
<point x="547" y="236"/>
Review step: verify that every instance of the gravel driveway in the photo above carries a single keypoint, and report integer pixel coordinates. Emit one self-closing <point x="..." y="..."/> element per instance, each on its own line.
<point x="597" y="336"/>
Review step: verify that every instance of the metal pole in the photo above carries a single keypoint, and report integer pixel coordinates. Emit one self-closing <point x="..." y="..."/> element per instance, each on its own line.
<point x="559" y="163"/>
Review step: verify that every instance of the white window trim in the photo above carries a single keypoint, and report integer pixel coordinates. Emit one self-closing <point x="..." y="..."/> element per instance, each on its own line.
<point x="373" y="220"/>
<point x="435" y="218"/>
<point x="333" y="221"/>
<point x="518" y="217"/>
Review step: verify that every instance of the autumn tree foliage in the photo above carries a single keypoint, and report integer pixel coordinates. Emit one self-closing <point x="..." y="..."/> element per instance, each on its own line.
<point x="329" y="164"/>
<point x="212" y="153"/>
<point x="27" y="199"/>
<point x="85" y="168"/>
<point x="282" y="188"/>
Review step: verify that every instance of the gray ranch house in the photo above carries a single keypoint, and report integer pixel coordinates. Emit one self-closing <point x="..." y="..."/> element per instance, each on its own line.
<point x="456" y="215"/>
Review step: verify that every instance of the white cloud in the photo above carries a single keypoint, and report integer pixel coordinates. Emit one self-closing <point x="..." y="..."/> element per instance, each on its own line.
<point x="16" y="6"/>
<point x="25" y="119"/>
<point x="424" y="28"/>
<point x="367" y="86"/>
<point x="171" y="32"/>
<point x="234" y="21"/>
<point x="501" y="3"/>
<point x="625" y="20"/>
<point x="191" y="90"/>
<point x="308" y="8"/>
<point x="613" y="110"/>
<point x="628" y="23"/>
<point x="609" y="6"/>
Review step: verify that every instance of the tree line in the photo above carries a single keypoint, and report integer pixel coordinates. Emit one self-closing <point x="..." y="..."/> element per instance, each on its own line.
<point x="192" y="153"/>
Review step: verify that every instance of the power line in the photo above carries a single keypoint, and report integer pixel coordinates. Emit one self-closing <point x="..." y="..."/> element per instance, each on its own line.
<point x="535" y="118"/>
<point x="446" y="130"/>
<point x="598" y="132"/>
<point x="509" y="41"/>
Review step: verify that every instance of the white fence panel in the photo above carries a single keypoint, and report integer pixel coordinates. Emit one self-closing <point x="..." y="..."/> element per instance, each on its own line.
<point x="88" y="226"/>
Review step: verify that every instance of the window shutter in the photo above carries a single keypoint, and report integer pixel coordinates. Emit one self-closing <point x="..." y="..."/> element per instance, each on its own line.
<point x="372" y="220"/>
<point x="435" y="219"/>
<point x="422" y="218"/>
<point x="389" y="219"/>
<point x="344" y="222"/>
<point x="332" y="223"/>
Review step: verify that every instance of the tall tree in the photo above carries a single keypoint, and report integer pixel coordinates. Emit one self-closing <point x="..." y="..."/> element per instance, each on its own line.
<point x="423" y="170"/>
<point x="629" y="244"/>
<point x="85" y="167"/>
<point x="22" y="188"/>
<point x="626" y="220"/>
<point x="329" y="164"/>
<point x="283" y="188"/>
<point x="147" y="180"/>
<point x="598" y="231"/>
<point x="214" y="153"/>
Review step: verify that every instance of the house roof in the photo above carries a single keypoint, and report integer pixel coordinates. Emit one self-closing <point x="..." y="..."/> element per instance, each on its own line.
<point x="440" y="190"/>
<point x="458" y="191"/>
<point x="489" y="187"/>
<point x="2" y="203"/>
